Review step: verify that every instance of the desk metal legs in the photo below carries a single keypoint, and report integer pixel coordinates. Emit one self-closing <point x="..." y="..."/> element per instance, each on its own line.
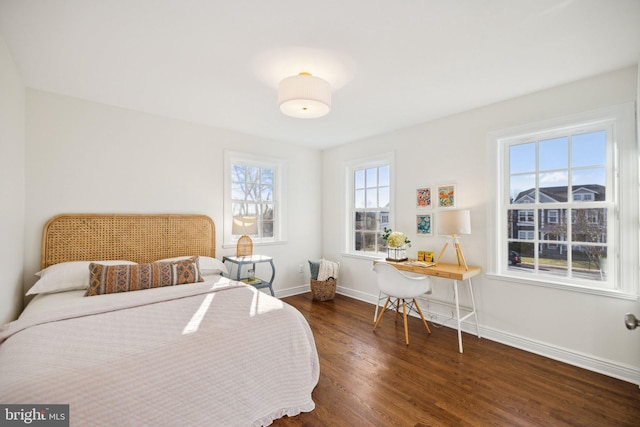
<point x="473" y="312"/>
<point x="455" y="293"/>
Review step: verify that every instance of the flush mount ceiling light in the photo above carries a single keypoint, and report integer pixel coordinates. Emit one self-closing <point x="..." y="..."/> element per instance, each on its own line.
<point x="304" y="96"/>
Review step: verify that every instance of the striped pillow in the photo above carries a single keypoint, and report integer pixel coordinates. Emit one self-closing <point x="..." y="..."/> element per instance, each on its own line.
<point x="108" y="279"/>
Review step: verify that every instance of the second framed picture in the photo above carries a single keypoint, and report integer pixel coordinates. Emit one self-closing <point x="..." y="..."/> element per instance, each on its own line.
<point x="447" y="196"/>
<point x="424" y="223"/>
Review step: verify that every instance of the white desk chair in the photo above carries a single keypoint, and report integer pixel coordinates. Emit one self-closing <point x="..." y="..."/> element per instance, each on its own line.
<point x="401" y="287"/>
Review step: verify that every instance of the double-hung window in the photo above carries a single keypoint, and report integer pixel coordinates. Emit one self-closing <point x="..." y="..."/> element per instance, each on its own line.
<point x="254" y="188"/>
<point x="565" y="201"/>
<point x="369" y="190"/>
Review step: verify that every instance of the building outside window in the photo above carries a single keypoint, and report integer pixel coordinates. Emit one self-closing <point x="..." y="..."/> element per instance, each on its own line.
<point x="559" y="191"/>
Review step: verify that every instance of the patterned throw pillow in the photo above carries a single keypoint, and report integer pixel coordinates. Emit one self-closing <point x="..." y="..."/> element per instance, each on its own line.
<point x="186" y="271"/>
<point x="108" y="279"/>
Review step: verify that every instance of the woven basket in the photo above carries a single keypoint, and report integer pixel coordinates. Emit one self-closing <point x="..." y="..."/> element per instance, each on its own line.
<point x="323" y="291"/>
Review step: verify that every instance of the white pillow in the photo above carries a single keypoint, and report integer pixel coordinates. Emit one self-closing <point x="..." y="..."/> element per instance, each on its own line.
<point x="207" y="264"/>
<point x="328" y="269"/>
<point x="67" y="276"/>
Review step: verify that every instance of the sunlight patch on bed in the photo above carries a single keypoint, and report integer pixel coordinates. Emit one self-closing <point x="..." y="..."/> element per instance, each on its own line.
<point x="197" y="317"/>
<point x="217" y="281"/>
<point x="262" y="304"/>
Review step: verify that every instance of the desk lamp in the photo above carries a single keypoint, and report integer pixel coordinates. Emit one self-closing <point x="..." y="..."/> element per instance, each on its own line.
<point x="453" y="223"/>
<point x="244" y="225"/>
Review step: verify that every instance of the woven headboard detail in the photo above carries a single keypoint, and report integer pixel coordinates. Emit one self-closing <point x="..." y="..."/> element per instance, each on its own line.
<point x="133" y="237"/>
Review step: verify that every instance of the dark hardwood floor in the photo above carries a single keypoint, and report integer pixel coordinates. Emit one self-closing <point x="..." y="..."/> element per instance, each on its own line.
<point x="373" y="379"/>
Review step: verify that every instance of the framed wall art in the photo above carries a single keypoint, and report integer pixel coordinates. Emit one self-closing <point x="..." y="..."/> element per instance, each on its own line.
<point x="423" y="197"/>
<point x="447" y="196"/>
<point x="424" y="224"/>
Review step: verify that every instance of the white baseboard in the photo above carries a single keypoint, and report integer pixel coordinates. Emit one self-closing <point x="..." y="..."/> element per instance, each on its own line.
<point x="296" y="290"/>
<point x="362" y="296"/>
<point x="582" y="360"/>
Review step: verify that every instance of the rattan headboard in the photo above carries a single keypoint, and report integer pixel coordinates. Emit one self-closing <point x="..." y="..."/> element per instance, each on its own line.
<point x="133" y="237"/>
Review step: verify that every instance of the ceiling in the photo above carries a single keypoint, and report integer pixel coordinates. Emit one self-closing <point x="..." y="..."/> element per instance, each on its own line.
<point x="391" y="64"/>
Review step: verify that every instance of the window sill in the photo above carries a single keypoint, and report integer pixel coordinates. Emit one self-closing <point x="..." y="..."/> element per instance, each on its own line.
<point x="371" y="257"/>
<point x="563" y="286"/>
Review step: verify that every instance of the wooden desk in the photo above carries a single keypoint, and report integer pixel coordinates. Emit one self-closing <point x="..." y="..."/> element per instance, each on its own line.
<point x="453" y="272"/>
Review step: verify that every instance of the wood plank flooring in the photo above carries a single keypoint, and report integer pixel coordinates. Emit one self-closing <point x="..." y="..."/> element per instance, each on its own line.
<point x="373" y="379"/>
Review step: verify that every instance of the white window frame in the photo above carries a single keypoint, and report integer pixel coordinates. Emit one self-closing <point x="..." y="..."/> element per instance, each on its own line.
<point x="384" y="159"/>
<point x="279" y="196"/>
<point x="623" y="261"/>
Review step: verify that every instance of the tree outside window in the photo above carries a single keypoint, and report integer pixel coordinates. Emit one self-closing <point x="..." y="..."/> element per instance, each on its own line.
<point x="252" y="194"/>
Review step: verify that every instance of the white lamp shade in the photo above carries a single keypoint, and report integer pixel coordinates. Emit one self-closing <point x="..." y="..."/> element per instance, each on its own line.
<point x="454" y="222"/>
<point x="244" y="225"/>
<point x="304" y="96"/>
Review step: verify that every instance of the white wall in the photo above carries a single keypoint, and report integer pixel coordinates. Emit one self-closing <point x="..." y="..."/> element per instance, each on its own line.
<point x="12" y="185"/>
<point x="583" y="329"/>
<point x="88" y="157"/>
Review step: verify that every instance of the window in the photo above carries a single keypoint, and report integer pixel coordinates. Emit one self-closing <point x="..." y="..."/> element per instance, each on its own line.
<point x="254" y="187"/>
<point x="525" y="216"/>
<point x="571" y="177"/>
<point x="369" y="190"/>
<point x="525" y="235"/>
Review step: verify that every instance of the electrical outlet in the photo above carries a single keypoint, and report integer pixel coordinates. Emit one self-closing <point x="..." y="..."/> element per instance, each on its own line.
<point x="300" y="268"/>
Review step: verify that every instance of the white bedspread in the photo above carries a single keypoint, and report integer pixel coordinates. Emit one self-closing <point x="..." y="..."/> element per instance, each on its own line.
<point x="212" y="354"/>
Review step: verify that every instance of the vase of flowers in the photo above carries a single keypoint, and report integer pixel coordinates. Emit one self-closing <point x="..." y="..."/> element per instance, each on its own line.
<point x="397" y="244"/>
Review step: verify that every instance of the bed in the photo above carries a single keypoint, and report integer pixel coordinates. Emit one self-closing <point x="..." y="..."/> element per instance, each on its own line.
<point x="213" y="352"/>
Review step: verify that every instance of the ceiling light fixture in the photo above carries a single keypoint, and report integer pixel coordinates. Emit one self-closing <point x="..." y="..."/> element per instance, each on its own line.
<point x="304" y="96"/>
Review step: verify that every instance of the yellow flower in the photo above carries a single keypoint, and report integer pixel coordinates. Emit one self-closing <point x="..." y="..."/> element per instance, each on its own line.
<point x="396" y="239"/>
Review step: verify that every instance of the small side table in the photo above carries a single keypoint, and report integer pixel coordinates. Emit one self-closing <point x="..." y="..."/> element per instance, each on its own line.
<point x="253" y="260"/>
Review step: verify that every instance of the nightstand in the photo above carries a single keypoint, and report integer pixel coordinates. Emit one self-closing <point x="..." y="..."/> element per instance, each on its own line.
<point x="252" y="260"/>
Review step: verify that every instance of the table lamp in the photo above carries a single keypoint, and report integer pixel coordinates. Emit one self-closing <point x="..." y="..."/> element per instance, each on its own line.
<point x="453" y="223"/>
<point x="244" y="225"/>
